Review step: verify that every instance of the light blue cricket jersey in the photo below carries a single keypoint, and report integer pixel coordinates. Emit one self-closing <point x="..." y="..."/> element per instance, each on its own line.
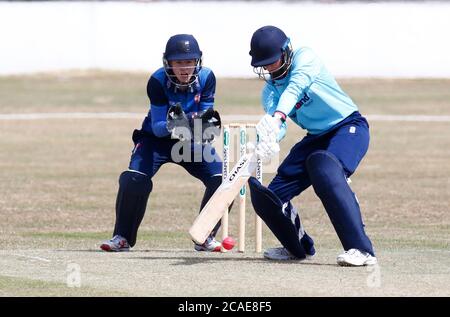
<point x="309" y="95"/>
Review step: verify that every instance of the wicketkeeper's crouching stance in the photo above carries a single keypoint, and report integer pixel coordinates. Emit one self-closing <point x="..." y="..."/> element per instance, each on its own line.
<point x="181" y="93"/>
<point x="299" y="86"/>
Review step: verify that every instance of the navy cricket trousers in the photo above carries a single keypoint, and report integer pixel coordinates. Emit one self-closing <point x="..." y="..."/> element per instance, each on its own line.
<point x="348" y="141"/>
<point x="151" y="152"/>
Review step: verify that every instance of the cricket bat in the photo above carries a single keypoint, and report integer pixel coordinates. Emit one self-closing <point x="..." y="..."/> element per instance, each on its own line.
<point x="223" y="197"/>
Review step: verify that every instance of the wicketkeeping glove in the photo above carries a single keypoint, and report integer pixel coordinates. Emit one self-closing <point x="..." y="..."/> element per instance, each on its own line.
<point x="210" y="125"/>
<point x="178" y="123"/>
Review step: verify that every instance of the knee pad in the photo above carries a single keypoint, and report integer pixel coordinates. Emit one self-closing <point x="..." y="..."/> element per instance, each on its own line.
<point x="131" y="202"/>
<point x="270" y="208"/>
<point x="214" y="182"/>
<point x="329" y="181"/>
<point x="135" y="182"/>
<point x="325" y="171"/>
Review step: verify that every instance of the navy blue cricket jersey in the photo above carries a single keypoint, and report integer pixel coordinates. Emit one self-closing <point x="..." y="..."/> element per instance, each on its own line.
<point x="163" y="94"/>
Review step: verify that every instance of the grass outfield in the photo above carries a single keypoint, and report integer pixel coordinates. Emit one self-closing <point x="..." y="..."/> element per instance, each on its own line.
<point x="59" y="182"/>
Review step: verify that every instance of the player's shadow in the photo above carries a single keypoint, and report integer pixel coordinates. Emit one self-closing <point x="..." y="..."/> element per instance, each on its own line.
<point x="194" y="260"/>
<point x="257" y="259"/>
<point x="185" y="260"/>
<point x="83" y="250"/>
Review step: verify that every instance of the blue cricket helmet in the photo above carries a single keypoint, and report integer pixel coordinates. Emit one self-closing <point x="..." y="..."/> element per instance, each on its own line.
<point x="182" y="47"/>
<point x="267" y="45"/>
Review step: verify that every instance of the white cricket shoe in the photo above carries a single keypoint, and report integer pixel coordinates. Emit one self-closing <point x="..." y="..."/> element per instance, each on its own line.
<point x="116" y="244"/>
<point x="210" y="245"/>
<point x="281" y="254"/>
<point x="355" y="257"/>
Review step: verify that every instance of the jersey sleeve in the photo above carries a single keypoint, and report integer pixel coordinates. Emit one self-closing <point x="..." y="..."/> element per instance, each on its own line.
<point x="208" y="92"/>
<point x="158" y="107"/>
<point x="305" y="69"/>
<point x="269" y="99"/>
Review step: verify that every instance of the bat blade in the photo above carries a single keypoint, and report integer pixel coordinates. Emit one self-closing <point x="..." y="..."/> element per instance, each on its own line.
<point x="218" y="204"/>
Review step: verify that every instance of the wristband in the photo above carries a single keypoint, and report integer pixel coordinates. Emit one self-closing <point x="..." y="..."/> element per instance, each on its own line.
<point x="281" y="114"/>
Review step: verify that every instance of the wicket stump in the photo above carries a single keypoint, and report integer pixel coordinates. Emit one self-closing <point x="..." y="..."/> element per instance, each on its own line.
<point x="242" y="194"/>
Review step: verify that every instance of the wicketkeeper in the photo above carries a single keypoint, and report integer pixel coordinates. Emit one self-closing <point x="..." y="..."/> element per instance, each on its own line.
<point x="299" y="86"/>
<point x="181" y="97"/>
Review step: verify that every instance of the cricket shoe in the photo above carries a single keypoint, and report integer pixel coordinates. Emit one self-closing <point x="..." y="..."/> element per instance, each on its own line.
<point x="116" y="244"/>
<point x="210" y="245"/>
<point x="281" y="254"/>
<point x="355" y="257"/>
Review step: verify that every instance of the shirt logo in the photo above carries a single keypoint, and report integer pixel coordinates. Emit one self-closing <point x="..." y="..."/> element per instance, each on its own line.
<point x="184" y="46"/>
<point x="305" y="99"/>
<point x="197" y="98"/>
